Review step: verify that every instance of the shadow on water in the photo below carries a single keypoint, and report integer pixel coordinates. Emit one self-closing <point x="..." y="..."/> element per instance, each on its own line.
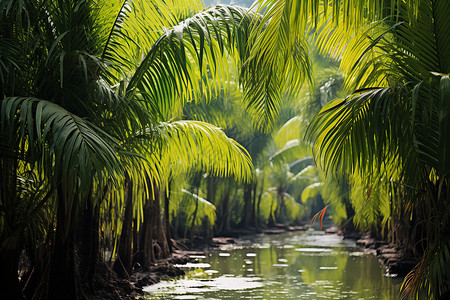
<point x="301" y="265"/>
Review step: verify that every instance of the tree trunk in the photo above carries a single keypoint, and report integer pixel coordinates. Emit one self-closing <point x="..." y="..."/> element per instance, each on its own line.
<point x="345" y="190"/>
<point x="135" y="240"/>
<point x="167" y="219"/>
<point x="253" y="206"/>
<point x="228" y="209"/>
<point x="197" y="179"/>
<point x="146" y="251"/>
<point x="271" y="221"/>
<point x="158" y="226"/>
<point x="89" y="245"/>
<point x="246" y="214"/>
<point x="63" y="283"/>
<point x="122" y="265"/>
<point x="258" y="205"/>
<point x="194" y="216"/>
<point x="146" y="255"/>
<point x="222" y="215"/>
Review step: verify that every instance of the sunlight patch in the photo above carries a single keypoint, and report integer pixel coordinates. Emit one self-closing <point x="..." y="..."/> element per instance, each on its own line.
<point x="192" y="286"/>
<point x="194" y="265"/>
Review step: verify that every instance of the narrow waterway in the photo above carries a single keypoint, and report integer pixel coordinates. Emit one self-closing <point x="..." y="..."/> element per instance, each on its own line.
<point x="297" y="265"/>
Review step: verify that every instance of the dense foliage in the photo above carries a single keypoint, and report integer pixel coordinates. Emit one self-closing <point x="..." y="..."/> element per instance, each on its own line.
<point x="388" y="140"/>
<point x="91" y="131"/>
<point x="108" y="148"/>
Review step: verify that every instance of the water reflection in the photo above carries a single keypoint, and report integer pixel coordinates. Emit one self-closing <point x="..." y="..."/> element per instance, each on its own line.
<point x="306" y="265"/>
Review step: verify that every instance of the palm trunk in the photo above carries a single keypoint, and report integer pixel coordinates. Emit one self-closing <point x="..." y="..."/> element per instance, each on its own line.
<point x="63" y="283"/>
<point x="246" y="214"/>
<point x="271" y="221"/>
<point x="122" y="265"/>
<point x="89" y="240"/>
<point x="194" y="216"/>
<point x="158" y="227"/>
<point x="167" y="220"/>
<point x="135" y="240"/>
<point x="146" y="255"/>
<point x="253" y="206"/>
<point x="258" y="205"/>
<point x="146" y="252"/>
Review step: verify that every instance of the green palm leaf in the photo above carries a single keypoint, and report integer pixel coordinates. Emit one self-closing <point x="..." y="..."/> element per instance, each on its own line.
<point x="76" y="149"/>
<point x="194" y="145"/>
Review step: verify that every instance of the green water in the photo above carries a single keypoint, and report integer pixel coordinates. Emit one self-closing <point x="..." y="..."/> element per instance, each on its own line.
<point x="299" y="265"/>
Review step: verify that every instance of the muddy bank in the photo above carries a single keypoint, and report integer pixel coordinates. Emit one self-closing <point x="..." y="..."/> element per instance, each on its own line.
<point x="109" y="286"/>
<point x="396" y="260"/>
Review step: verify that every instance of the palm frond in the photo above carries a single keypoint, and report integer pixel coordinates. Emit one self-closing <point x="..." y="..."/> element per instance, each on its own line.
<point x="204" y="207"/>
<point x="291" y="151"/>
<point x="294" y="128"/>
<point x="77" y="150"/>
<point x="190" y="60"/>
<point x="311" y="191"/>
<point x="194" y="145"/>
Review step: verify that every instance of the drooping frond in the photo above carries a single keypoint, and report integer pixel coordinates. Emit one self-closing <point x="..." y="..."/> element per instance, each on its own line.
<point x="202" y="207"/>
<point x="191" y="59"/>
<point x="362" y="56"/>
<point x="194" y="145"/>
<point x="311" y="191"/>
<point x="225" y="110"/>
<point x="394" y="130"/>
<point x="73" y="149"/>
<point x="294" y="128"/>
<point x="291" y="151"/>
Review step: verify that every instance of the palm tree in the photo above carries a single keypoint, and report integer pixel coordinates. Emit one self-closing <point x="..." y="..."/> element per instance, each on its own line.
<point x="401" y="78"/>
<point x="393" y="126"/>
<point x="185" y="146"/>
<point x="58" y="120"/>
<point x="79" y="81"/>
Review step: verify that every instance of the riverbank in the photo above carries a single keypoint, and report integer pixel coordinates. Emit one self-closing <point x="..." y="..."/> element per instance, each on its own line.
<point x="109" y="286"/>
<point x="308" y="265"/>
<point x="397" y="261"/>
